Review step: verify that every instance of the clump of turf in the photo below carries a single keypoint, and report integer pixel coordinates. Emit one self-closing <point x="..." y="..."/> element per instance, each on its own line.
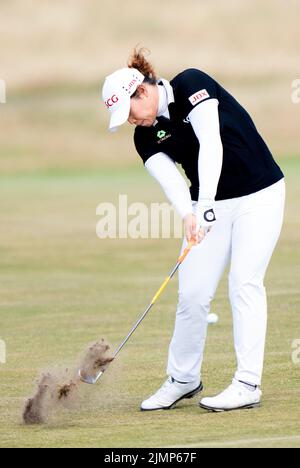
<point x="59" y="389"/>
<point x="96" y="359"/>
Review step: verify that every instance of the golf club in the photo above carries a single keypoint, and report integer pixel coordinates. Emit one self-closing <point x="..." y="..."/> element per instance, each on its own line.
<point x="92" y="380"/>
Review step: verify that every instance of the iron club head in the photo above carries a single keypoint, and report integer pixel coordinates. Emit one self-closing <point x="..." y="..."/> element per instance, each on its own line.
<point x="89" y="379"/>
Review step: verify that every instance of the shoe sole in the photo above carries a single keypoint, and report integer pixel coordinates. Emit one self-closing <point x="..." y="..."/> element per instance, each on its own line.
<point x="187" y="396"/>
<point x="221" y="410"/>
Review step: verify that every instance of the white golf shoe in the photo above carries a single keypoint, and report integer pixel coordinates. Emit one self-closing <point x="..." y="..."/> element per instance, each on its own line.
<point x="171" y="393"/>
<point x="235" y="397"/>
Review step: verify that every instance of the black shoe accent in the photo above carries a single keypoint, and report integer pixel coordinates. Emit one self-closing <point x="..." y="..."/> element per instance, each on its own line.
<point x="254" y="387"/>
<point x="219" y="410"/>
<point x="187" y="396"/>
<point x="178" y="381"/>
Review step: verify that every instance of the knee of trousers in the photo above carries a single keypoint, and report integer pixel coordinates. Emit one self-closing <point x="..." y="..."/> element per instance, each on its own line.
<point x="191" y="299"/>
<point x="245" y="287"/>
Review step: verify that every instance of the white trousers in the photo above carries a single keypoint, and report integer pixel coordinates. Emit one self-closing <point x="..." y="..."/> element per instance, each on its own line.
<point x="245" y="234"/>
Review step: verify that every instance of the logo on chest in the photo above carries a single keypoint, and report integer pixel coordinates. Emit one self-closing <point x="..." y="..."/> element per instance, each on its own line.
<point x="199" y="96"/>
<point x="162" y="136"/>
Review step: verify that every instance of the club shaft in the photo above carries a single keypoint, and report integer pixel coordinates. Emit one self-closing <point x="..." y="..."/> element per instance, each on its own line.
<point x="132" y="331"/>
<point x="143" y="316"/>
<point x="157" y="295"/>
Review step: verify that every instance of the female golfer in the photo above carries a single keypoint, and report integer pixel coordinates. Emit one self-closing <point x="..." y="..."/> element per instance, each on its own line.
<point x="233" y="210"/>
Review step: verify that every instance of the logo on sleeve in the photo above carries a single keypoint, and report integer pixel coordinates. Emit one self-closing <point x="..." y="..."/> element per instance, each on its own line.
<point x="199" y="96"/>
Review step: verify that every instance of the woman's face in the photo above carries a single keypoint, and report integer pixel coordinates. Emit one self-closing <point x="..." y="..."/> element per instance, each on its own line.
<point x="144" y="107"/>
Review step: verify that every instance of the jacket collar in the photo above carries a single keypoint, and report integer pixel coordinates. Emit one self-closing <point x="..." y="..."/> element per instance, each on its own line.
<point x="169" y="89"/>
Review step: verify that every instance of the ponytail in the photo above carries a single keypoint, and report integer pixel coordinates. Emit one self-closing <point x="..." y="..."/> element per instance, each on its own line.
<point x="138" y="61"/>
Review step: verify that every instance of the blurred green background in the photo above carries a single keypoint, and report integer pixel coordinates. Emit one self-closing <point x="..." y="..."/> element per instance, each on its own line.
<point x="62" y="287"/>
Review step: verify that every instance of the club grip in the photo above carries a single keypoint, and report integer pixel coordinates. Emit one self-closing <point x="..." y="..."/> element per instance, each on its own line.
<point x="187" y="250"/>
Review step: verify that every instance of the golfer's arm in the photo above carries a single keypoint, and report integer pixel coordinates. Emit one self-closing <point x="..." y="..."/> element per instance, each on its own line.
<point x="205" y="122"/>
<point x="164" y="170"/>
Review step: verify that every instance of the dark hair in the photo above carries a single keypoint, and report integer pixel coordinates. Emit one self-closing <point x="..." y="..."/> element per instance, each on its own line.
<point x="138" y="61"/>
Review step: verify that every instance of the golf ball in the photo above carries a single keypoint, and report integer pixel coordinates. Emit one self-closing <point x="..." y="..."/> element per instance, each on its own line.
<point x="212" y="318"/>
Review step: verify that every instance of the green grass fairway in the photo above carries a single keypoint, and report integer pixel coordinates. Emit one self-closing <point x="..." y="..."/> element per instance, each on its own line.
<point x="62" y="288"/>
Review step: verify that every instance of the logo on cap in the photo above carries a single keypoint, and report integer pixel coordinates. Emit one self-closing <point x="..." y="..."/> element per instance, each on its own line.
<point x="111" y="101"/>
<point x="131" y="84"/>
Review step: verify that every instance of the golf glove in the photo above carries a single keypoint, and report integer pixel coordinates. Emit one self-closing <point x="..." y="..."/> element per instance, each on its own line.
<point x="205" y="214"/>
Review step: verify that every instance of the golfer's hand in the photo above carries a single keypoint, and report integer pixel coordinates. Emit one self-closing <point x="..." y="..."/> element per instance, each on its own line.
<point x="205" y="215"/>
<point x="190" y="226"/>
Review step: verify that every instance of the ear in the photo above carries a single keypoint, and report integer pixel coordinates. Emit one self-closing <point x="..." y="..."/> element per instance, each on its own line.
<point x="143" y="91"/>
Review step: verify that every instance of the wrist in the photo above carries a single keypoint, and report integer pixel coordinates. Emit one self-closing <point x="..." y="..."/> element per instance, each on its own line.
<point x="187" y="215"/>
<point x="206" y="201"/>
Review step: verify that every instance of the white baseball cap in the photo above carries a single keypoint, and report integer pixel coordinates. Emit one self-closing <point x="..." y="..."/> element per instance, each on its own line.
<point x="116" y="93"/>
